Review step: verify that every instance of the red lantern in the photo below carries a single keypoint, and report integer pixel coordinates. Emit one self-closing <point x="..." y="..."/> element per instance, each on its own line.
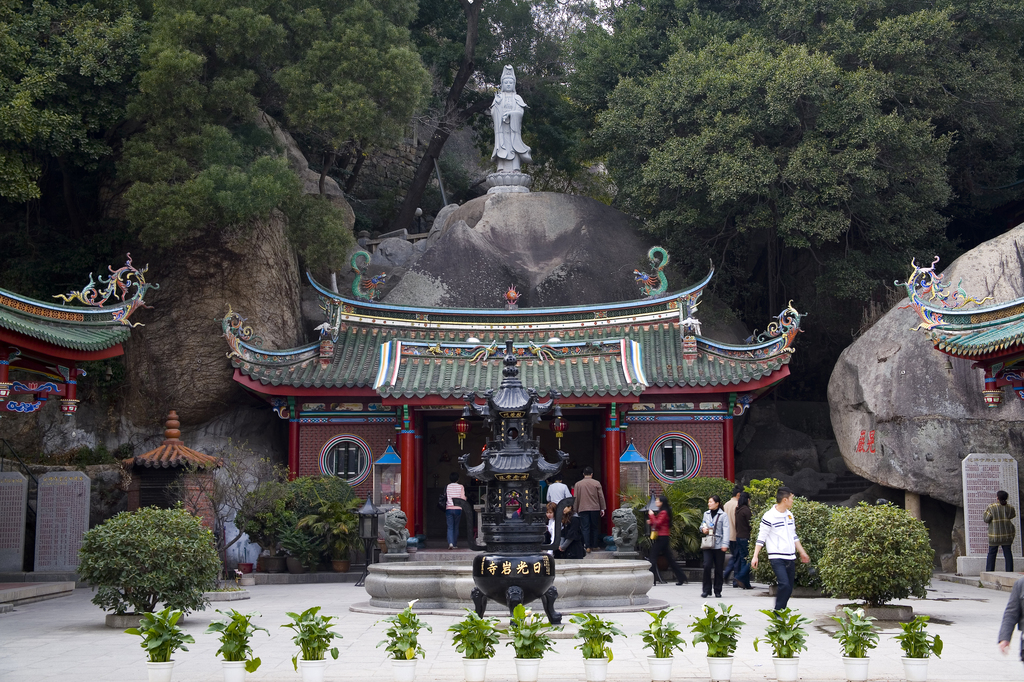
<point x="559" y="425"/>
<point x="462" y="428"/>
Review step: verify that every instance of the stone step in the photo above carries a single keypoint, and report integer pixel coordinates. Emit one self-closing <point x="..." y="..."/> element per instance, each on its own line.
<point x="17" y="593"/>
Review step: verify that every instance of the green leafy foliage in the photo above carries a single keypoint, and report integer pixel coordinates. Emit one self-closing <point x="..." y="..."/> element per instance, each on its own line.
<point x="719" y="630"/>
<point x="137" y="560"/>
<point x="916" y="642"/>
<point x="662" y="637"/>
<point x="313" y="635"/>
<point x="529" y="633"/>
<point x="264" y="515"/>
<point x="689" y="499"/>
<point x="337" y="524"/>
<point x="857" y="633"/>
<point x="596" y="633"/>
<point x="812" y="527"/>
<point x="762" y="492"/>
<point x="305" y="545"/>
<point x="161" y="636"/>
<point x="402" y="636"/>
<point x="476" y="637"/>
<point x="876" y="554"/>
<point x="785" y="632"/>
<point x="235" y="634"/>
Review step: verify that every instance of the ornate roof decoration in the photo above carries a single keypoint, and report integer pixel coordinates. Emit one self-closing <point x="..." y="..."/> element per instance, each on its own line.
<point x="931" y="298"/>
<point x="117" y="286"/>
<point x="656" y="284"/>
<point x="172" y="452"/>
<point x="365" y="287"/>
<point x="603" y="349"/>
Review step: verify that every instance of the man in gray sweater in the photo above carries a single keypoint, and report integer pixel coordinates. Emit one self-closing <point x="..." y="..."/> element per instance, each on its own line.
<point x="1013" y="616"/>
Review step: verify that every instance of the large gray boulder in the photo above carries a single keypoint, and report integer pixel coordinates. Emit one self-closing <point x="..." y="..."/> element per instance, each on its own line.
<point x="905" y="418"/>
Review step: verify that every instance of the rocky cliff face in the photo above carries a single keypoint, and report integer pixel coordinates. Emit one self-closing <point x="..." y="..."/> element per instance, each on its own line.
<point x="905" y="418"/>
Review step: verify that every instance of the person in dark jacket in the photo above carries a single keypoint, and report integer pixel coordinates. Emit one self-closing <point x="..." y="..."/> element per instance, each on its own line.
<point x="1001" y="532"/>
<point x="660" y="521"/>
<point x="1013" y="617"/>
<point x="743" y="542"/>
<point x="571" y="544"/>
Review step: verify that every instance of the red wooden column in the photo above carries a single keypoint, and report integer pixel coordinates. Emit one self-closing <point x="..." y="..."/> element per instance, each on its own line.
<point x="611" y="465"/>
<point x="293" y="439"/>
<point x="728" y="442"/>
<point x="407" y="450"/>
<point x="5" y="385"/>
<point x="420" y="486"/>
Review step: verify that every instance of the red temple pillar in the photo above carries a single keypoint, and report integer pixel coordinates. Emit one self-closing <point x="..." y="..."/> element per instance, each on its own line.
<point x="728" y="443"/>
<point x="5" y="384"/>
<point x="611" y="466"/>
<point x="420" y="488"/>
<point x="407" y="450"/>
<point x="293" y="439"/>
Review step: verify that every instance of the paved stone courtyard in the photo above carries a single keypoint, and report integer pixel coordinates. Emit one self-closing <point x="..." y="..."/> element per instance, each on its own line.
<point x="65" y="639"/>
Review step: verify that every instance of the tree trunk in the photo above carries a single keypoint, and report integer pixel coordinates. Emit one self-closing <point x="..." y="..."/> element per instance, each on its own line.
<point x="450" y="117"/>
<point x="351" y="182"/>
<point x="328" y="163"/>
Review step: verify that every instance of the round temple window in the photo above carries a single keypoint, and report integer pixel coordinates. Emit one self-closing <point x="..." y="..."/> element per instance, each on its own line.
<point x="675" y="459"/>
<point x="348" y="460"/>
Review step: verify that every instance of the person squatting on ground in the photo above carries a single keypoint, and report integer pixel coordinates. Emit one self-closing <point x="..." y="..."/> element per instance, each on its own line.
<point x="660" y="521"/>
<point x="715" y="525"/>
<point x="777" y="533"/>
<point x="590" y="504"/>
<point x="729" y="507"/>
<point x="452" y="511"/>
<point x="999" y="516"/>
<point x="571" y="544"/>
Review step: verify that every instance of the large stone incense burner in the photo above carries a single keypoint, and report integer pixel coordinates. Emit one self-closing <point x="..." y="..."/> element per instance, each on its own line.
<point x="514" y="568"/>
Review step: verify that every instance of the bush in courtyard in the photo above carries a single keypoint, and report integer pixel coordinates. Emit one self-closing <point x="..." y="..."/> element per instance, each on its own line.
<point x="308" y="494"/>
<point x="762" y="493"/>
<point x="137" y="560"/>
<point x="812" y="527"/>
<point x="264" y="514"/>
<point x="876" y="554"/>
<point x="689" y="499"/>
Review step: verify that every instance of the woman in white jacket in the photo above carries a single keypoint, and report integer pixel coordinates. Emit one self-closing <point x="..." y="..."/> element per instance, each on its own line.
<point x="714" y="525"/>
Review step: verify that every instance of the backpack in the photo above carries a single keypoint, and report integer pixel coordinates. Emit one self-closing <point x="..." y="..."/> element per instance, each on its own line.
<point x="442" y="501"/>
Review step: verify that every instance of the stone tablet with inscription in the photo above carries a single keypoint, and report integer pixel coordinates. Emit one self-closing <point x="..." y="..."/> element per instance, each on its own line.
<point x="13" y="498"/>
<point x="62" y="517"/>
<point x="983" y="475"/>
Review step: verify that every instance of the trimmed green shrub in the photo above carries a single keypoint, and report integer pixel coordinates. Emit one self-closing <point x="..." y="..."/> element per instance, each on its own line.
<point x="137" y="560"/>
<point x="876" y="554"/>
<point x="762" y="493"/>
<point x="812" y="527"/>
<point x="689" y="500"/>
<point x="263" y="515"/>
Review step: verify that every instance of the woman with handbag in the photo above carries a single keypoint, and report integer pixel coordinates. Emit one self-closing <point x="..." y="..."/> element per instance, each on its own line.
<point x="660" y="521"/>
<point x="571" y="544"/>
<point x="714" y="543"/>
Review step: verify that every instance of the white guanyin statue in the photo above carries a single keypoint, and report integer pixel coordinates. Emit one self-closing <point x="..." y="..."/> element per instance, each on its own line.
<point x="509" y="149"/>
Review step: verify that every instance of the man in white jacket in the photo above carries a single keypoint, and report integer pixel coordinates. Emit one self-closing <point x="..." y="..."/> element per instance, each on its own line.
<point x="777" y="532"/>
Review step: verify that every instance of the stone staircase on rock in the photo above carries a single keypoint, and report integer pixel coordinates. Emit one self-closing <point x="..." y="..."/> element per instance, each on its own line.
<point x="843" y="488"/>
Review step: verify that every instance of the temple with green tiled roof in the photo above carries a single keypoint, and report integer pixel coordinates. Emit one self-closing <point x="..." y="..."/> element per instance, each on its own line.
<point x="991" y="336"/>
<point x="636" y="370"/>
<point x="42" y="342"/>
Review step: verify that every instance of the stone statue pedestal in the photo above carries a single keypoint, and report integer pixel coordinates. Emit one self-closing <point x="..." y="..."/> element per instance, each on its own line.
<point x="394" y="557"/>
<point x="625" y="555"/>
<point x="504" y="182"/>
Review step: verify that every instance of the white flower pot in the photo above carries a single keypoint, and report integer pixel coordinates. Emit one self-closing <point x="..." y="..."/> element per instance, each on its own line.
<point x="234" y="671"/>
<point x="527" y="669"/>
<point x="312" y="671"/>
<point x="916" y="669"/>
<point x="661" y="668"/>
<point x="720" y="668"/>
<point x="403" y="670"/>
<point x="160" y="672"/>
<point x="786" y="669"/>
<point x="475" y="669"/>
<point x="596" y="669"/>
<point x="856" y="668"/>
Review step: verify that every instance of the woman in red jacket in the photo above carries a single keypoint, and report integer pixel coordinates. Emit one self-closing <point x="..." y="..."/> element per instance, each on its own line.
<point x="660" y="521"/>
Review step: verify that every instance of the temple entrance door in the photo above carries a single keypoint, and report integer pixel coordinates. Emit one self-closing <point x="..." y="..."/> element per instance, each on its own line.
<point x="441" y="454"/>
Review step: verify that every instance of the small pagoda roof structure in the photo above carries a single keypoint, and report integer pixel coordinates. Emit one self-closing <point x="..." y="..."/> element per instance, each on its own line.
<point x="46" y="340"/>
<point x="609" y="349"/>
<point x="172" y="452"/>
<point x="992" y="336"/>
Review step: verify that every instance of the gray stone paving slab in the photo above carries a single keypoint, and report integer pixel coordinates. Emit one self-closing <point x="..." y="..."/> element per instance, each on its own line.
<point x="65" y="639"/>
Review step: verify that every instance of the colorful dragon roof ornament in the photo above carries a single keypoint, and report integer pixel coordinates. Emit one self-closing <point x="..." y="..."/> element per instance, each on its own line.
<point x="930" y="296"/>
<point x="117" y="286"/>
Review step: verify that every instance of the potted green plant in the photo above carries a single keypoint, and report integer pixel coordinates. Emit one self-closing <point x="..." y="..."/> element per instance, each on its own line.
<point x="597" y="634"/>
<point x="530" y="639"/>
<point x="475" y="638"/>
<point x="262" y="516"/>
<point x="787" y="637"/>
<point x="720" y="631"/>
<point x="303" y="547"/>
<point x="313" y="636"/>
<point x="857" y="635"/>
<point x="917" y="646"/>
<point x="161" y="637"/>
<point x="402" y="642"/>
<point x="337" y="524"/>
<point x="235" y="633"/>
<point x="662" y="638"/>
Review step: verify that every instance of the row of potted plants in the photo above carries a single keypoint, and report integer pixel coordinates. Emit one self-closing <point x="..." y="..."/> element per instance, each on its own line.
<point x="530" y="636"/>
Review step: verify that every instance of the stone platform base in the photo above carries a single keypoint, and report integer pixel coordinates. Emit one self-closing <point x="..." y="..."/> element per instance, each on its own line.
<point x="582" y="584"/>
<point x="503" y="183"/>
<point x="18" y="593"/>
<point x="1000" y="580"/>
<point x="230" y="595"/>
<point x="891" y="613"/>
<point x="974" y="565"/>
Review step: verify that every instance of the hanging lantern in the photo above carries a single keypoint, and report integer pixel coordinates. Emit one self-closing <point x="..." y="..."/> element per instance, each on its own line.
<point x="461" y="428"/>
<point x="559" y="425"/>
